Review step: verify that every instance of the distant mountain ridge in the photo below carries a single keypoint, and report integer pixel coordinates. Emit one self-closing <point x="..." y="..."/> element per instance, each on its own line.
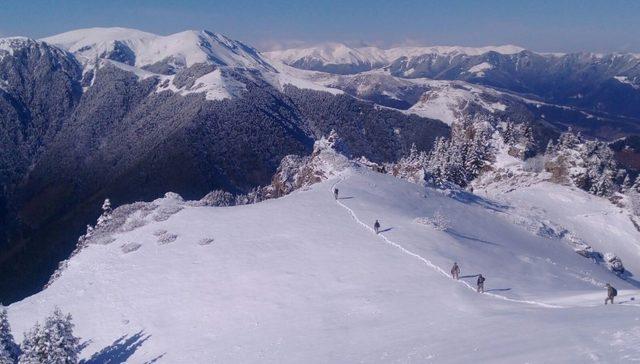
<point x="600" y="91"/>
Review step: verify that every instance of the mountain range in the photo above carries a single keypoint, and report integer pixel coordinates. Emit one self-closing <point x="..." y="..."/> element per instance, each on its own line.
<point x="130" y="115"/>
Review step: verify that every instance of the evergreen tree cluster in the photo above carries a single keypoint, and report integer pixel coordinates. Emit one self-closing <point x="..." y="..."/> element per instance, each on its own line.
<point x="589" y="164"/>
<point x="51" y="343"/>
<point x="411" y="167"/>
<point x="460" y="158"/>
<point x="519" y="135"/>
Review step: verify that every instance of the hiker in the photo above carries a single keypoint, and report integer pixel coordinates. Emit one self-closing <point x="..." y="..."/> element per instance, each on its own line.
<point x="335" y="193"/>
<point x="480" y="283"/>
<point x="376" y="227"/>
<point x="611" y="292"/>
<point x="455" y="271"/>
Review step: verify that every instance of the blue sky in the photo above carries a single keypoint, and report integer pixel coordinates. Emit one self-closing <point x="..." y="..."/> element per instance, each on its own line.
<point x="560" y="25"/>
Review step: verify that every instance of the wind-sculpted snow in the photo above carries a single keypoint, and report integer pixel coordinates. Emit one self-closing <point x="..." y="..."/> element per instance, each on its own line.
<point x="303" y="278"/>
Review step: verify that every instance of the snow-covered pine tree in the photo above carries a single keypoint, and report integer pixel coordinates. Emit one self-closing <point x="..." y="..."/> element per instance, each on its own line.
<point x="551" y="148"/>
<point x="569" y="140"/>
<point x="53" y="343"/>
<point x="460" y="158"/>
<point x="509" y="134"/>
<point x="5" y="357"/>
<point x="106" y="213"/>
<point x="636" y="184"/>
<point x="477" y="154"/>
<point x="34" y="347"/>
<point x="411" y="167"/>
<point x="436" y="161"/>
<point x="589" y="164"/>
<point x="7" y="343"/>
<point x="106" y="206"/>
<point x="64" y="346"/>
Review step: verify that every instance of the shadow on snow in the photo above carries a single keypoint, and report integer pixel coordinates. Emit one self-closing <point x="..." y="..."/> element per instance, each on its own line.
<point x="120" y="350"/>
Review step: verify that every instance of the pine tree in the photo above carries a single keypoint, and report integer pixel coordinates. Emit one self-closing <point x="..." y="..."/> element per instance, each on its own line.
<point x="53" y="343"/>
<point x="64" y="345"/>
<point x="7" y="343"/>
<point x="509" y="134"/>
<point x="34" y="348"/>
<point x="569" y="140"/>
<point x="636" y="184"/>
<point x="106" y="206"/>
<point x="5" y="357"/>
<point x="459" y="159"/>
<point x="551" y="148"/>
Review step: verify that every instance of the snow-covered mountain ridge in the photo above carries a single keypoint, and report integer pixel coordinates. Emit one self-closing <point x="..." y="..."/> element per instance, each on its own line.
<point x="212" y="63"/>
<point x="340" y="54"/>
<point x="304" y="278"/>
<point x="140" y="49"/>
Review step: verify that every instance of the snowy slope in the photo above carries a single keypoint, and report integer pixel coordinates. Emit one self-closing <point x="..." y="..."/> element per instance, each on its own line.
<point x="447" y="100"/>
<point x="563" y="210"/>
<point x="304" y="279"/>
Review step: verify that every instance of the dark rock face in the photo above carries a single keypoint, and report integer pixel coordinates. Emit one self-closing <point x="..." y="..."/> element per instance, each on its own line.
<point x="125" y="140"/>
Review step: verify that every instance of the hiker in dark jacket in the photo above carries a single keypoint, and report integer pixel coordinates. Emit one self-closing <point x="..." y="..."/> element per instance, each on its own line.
<point x="376" y="227"/>
<point x="335" y="193"/>
<point x="480" y="283"/>
<point x="611" y="292"/>
<point x="455" y="271"/>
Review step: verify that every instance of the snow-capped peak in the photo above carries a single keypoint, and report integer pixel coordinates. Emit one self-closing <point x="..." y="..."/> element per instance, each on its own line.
<point x="140" y="49"/>
<point x="331" y="53"/>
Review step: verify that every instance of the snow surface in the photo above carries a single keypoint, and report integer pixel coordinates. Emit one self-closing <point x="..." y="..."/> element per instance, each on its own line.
<point x="626" y="80"/>
<point x="479" y="69"/>
<point x="302" y="79"/>
<point x="446" y="100"/>
<point x="304" y="279"/>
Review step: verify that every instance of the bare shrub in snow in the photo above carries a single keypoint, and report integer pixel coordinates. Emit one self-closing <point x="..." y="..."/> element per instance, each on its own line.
<point x="534" y="164"/>
<point x="103" y="240"/>
<point x="205" y="241"/>
<point x="614" y="263"/>
<point x="130" y="247"/>
<point x="167" y="238"/>
<point x="217" y="198"/>
<point x="159" y="232"/>
<point x="165" y="212"/>
<point x="438" y="221"/>
<point x="132" y="224"/>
